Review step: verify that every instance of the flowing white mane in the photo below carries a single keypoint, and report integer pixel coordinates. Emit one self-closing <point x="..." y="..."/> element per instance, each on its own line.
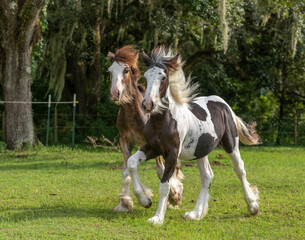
<point x="182" y="89"/>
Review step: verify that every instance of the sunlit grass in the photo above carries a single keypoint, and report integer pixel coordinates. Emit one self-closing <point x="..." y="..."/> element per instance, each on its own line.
<point x="56" y="193"/>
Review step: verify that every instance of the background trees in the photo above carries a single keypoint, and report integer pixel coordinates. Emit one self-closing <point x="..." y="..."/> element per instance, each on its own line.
<point x="249" y="52"/>
<point x="20" y="31"/>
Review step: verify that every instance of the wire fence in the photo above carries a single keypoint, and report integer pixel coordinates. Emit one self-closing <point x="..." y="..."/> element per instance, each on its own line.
<point x="47" y="127"/>
<point x="65" y="123"/>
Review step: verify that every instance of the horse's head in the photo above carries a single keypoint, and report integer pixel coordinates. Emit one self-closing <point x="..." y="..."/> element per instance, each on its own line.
<point x="124" y="74"/>
<point x="160" y="64"/>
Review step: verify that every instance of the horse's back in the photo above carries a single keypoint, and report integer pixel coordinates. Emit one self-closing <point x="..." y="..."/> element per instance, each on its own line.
<point x="206" y="99"/>
<point x="216" y="124"/>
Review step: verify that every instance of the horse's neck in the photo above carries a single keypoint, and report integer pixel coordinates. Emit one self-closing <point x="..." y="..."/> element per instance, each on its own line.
<point x="133" y="108"/>
<point x="174" y="110"/>
<point x="173" y="106"/>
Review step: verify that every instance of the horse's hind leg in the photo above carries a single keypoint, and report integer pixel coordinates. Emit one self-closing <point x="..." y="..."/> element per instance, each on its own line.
<point x="176" y="188"/>
<point x="160" y="167"/>
<point x="126" y="203"/>
<point x="250" y="193"/>
<point x="206" y="176"/>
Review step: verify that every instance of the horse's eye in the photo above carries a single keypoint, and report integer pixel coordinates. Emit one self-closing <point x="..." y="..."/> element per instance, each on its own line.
<point x="126" y="71"/>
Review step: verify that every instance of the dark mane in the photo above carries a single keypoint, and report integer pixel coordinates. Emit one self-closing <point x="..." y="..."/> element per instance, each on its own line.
<point x="164" y="58"/>
<point x="182" y="89"/>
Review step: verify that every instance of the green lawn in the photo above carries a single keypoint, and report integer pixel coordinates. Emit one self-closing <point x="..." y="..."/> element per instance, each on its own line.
<point x="56" y="193"/>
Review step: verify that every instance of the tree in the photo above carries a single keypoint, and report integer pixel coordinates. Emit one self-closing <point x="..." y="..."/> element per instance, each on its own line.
<point x="20" y="30"/>
<point x="244" y="51"/>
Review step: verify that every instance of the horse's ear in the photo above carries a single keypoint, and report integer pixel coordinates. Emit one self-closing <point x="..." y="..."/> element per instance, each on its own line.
<point x="132" y="69"/>
<point x="111" y="56"/>
<point x="147" y="59"/>
<point x="173" y="63"/>
<point x="137" y="54"/>
<point x="174" y="60"/>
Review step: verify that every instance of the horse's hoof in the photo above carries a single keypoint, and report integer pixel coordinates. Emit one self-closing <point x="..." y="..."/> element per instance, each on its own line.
<point x="170" y="206"/>
<point x="156" y="220"/>
<point x="175" y="195"/>
<point x="120" y="208"/>
<point x="125" y="205"/>
<point x="253" y="208"/>
<point x="149" y="203"/>
<point x="127" y="201"/>
<point x="192" y="216"/>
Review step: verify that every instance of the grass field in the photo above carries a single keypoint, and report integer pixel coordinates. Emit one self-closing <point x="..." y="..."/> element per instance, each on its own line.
<point x="56" y="193"/>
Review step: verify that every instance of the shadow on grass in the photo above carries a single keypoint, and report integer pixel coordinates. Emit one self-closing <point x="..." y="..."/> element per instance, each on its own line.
<point x="63" y="164"/>
<point x="33" y="213"/>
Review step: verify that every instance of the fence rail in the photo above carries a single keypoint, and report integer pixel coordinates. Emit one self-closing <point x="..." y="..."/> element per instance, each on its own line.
<point x="52" y="126"/>
<point x="50" y="102"/>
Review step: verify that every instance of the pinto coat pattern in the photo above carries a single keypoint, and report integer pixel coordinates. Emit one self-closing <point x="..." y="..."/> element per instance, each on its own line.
<point x="188" y="128"/>
<point x="131" y="120"/>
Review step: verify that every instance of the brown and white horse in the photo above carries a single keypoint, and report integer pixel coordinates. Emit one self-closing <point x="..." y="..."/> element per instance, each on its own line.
<point x="182" y="126"/>
<point x="128" y="94"/>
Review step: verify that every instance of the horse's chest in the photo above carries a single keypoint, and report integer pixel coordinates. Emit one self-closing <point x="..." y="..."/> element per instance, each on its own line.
<point x="163" y="137"/>
<point x="131" y="127"/>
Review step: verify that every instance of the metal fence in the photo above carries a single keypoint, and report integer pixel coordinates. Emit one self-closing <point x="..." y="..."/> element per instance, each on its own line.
<point x="49" y="104"/>
<point x="58" y="124"/>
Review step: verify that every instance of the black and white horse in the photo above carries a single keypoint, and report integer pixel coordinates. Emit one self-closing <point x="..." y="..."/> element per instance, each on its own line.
<point x="188" y="128"/>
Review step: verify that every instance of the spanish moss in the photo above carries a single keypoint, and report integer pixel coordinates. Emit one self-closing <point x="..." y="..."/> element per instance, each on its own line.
<point x="223" y="24"/>
<point x="294" y="38"/>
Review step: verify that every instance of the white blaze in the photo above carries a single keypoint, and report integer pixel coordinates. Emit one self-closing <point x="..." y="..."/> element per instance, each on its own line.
<point x="117" y="71"/>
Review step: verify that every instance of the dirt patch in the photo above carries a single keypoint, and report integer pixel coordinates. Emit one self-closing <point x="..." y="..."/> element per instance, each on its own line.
<point x="218" y="163"/>
<point x="187" y="165"/>
<point x="116" y="168"/>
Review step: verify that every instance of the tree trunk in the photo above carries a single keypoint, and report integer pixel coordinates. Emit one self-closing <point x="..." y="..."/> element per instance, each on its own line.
<point x="77" y="76"/>
<point x="282" y="99"/>
<point x="19" y="34"/>
<point x="280" y="121"/>
<point x="95" y="68"/>
<point x="3" y="123"/>
<point x="19" y="128"/>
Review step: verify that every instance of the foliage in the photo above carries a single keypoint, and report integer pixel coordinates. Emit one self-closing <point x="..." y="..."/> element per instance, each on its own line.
<point x="57" y="193"/>
<point x="261" y="74"/>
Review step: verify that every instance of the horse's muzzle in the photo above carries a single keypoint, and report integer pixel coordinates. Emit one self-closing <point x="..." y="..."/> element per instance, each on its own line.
<point x="115" y="95"/>
<point x="148" y="106"/>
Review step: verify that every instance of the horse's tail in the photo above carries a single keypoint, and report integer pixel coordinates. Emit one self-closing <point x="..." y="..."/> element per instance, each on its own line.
<point x="247" y="133"/>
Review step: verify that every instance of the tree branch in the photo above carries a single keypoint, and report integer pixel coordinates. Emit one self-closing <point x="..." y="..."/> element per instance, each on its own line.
<point x="196" y="58"/>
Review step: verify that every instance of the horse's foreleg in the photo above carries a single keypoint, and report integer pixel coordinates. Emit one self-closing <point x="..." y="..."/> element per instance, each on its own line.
<point x="250" y="193"/>
<point x="206" y="176"/>
<point x="176" y="185"/>
<point x="142" y="193"/>
<point x="164" y="189"/>
<point x="126" y="203"/>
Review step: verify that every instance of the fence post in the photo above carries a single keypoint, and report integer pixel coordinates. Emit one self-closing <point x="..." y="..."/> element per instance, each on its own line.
<point x="73" y="130"/>
<point x="55" y="125"/>
<point x="295" y="128"/>
<point x="48" y="121"/>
